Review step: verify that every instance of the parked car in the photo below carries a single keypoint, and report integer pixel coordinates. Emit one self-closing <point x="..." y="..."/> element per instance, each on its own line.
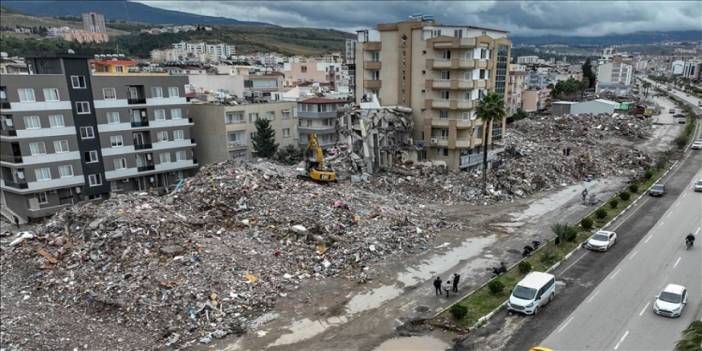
<point x="697" y="145"/>
<point x="535" y="290"/>
<point x="671" y="301"/>
<point x="602" y="240"/>
<point x="679" y="115"/>
<point x="672" y="110"/>
<point x="698" y="186"/>
<point x="657" y="190"/>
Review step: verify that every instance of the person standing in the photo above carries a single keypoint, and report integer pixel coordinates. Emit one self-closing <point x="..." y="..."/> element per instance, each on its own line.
<point x="447" y="286"/>
<point x="437" y="286"/>
<point x="456" y="278"/>
<point x="16" y="222"/>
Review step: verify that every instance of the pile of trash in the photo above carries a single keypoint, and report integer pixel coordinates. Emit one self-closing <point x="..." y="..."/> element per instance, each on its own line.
<point x="202" y="262"/>
<point x="539" y="154"/>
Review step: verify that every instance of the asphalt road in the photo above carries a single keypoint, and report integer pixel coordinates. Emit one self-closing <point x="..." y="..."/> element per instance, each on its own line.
<point x="578" y="276"/>
<point x="617" y="314"/>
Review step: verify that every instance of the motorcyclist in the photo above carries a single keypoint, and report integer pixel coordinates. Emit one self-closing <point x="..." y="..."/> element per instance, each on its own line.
<point x="690" y="238"/>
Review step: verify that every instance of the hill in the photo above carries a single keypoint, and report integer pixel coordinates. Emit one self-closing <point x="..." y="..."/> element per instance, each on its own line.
<point x="613" y="39"/>
<point x="10" y="18"/>
<point x="121" y="10"/>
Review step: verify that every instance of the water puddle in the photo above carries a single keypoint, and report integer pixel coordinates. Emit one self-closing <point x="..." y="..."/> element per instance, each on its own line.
<point x="372" y="299"/>
<point x="306" y="328"/>
<point x="413" y="343"/>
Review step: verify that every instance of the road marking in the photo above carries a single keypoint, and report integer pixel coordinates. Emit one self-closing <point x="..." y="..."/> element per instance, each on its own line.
<point x="668" y="215"/>
<point x="697" y="231"/>
<point x="565" y="325"/>
<point x="593" y="296"/>
<point x="574" y="262"/>
<point x="677" y="261"/>
<point x="615" y="273"/>
<point x="644" y="309"/>
<point x="649" y="238"/>
<point x="633" y="254"/>
<point x="676" y="206"/>
<point x="622" y="339"/>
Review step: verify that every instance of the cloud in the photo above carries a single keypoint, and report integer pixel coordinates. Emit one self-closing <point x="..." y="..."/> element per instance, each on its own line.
<point x="525" y="18"/>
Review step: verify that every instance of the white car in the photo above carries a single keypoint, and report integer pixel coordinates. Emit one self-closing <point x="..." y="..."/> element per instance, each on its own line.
<point x="698" y="185"/>
<point x="671" y="301"/>
<point x="697" y="145"/>
<point x="602" y="240"/>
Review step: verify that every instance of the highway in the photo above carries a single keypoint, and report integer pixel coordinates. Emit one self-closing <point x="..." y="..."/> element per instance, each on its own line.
<point x="617" y="314"/>
<point x="677" y="93"/>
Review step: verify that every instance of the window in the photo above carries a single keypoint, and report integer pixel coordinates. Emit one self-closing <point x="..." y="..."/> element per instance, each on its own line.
<point x="162" y="136"/>
<point x="445" y="75"/>
<point x="159" y="115"/>
<point x="116" y="141"/>
<point x="303" y="69"/>
<point x="113" y="117"/>
<point x="173" y="92"/>
<point x="286" y="132"/>
<point x="467" y="95"/>
<point x="484" y="53"/>
<point x="42" y="174"/>
<point x="164" y="157"/>
<point x="458" y="33"/>
<point x="109" y="93"/>
<point x="445" y="95"/>
<point x="119" y="68"/>
<point x="252" y="135"/>
<point x="483" y="74"/>
<point x="466" y="115"/>
<point x="156" y="92"/>
<point x="86" y="133"/>
<point x="56" y="121"/>
<point x="91" y="156"/>
<point x="51" y="94"/>
<point x="32" y="122"/>
<point x="94" y="180"/>
<point x="181" y="155"/>
<point x="120" y="163"/>
<point x="375" y="75"/>
<point x="37" y="148"/>
<point x="436" y="33"/>
<point x="65" y="171"/>
<point x="176" y="113"/>
<point x="26" y="95"/>
<point x="78" y="82"/>
<point x="233" y="117"/>
<point x="375" y="56"/>
<point x="446" y="54"/>
<point x="443" y="114"/>
<point x="61" y="146"/>
<point x="285" y="114"/>
<point x="479" y="132"/>
<point x="82" y="107"/>
<point x="270" y="115"/>
<point x="178" y="134"/>
<point x="253" y="117"/>
<point x="42" y="199"/>
<point x="481" y="94"/>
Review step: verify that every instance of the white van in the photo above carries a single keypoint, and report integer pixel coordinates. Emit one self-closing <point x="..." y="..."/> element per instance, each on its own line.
<point x="532" y="292"/>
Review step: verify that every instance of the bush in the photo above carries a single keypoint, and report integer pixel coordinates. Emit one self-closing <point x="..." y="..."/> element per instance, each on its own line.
<point x="601" y="213"/>
<point x="458" y="311"/>
<point x="496" y="287"/>
<point x="624" y="196"/>
<point x="613" y="203"/>
<point x="586" y="223"/>
<point x="549" y="257"/>
<point x="564" y="231"/>
<point x="681" y="141"/>
<point x="524" y="267"/>
<point x="634" y="188"/>
<point x="648" y="174"/>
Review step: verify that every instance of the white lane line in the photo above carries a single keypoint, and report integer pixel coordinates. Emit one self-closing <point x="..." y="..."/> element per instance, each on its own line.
<point x="574" y="262"/>
<point x="593" y="296"/>
<point x="649" y="238"/>
<point x="676" y="206"/>
<point x="615" y="273"/>
<point x="698" y="230"/>
<point x="668" y="215"/>
<point x="622" y="339"/>
<point x="565" y="325"/>
<point x="643" y="310"/>
<point x="677" y="261"/>
<point x="633" y="254"/>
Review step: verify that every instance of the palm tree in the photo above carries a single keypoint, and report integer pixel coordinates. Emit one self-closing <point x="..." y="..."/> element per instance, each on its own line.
<point x="646" y="85"/>
<point x="490" y="109"/>
<point x="691" y="339"/>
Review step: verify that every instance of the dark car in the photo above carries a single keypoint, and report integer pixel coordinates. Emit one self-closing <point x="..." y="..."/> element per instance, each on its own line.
<point x="657" y="190"/>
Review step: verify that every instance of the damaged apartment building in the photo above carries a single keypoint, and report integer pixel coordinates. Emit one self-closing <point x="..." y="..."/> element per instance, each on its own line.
<point x="69" y="134"/>
<point x="440" y="72"/>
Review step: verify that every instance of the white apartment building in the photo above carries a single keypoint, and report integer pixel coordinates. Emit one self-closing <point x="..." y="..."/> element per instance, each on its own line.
<point x="220" y="50"/>
<point x="527" y="60"/>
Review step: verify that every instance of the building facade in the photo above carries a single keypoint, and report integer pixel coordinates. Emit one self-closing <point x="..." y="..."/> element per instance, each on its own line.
<point x="319" y="116"/>
<point x="441" y="72"/>
<point x="69" y="135"/>
<point x="94" y="22"/>
<point x="517" y="85"/>
<point x="224" y="132"/>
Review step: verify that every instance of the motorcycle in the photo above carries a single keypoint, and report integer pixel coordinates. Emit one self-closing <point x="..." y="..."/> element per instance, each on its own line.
<point x="689" y="243"/>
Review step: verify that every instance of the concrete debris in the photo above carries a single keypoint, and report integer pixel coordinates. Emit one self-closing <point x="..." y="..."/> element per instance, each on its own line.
<point x="201" y="263"/>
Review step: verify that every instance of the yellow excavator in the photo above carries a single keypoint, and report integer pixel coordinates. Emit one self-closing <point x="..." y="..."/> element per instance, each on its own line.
<point x="314" y="163"/>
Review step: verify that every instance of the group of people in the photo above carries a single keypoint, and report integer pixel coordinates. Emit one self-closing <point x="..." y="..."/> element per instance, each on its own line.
<point x="449" y="285"/>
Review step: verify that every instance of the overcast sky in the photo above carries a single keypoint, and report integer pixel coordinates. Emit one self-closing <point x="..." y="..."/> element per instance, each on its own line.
<point x="581" y="18"/>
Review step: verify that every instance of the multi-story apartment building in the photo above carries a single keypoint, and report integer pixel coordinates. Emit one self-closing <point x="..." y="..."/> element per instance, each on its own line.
<point x="94" y="22"/>
<point x="224" y="132"/>
<point x="614" y="76"/>
<point x="69" y="135"/>
<point x="320" y="116"/>
<point x="517" y="85"/>
<point x="441" y="72"/>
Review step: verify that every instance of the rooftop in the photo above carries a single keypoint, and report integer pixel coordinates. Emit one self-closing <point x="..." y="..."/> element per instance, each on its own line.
<point x="319" y="100"/>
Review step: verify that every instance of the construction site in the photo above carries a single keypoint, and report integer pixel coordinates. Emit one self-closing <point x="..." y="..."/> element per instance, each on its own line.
<point x="240" y="247"/>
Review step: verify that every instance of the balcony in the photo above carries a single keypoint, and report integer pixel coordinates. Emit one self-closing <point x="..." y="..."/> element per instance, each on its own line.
<point x="372" y="83"/>
<point x="137" y="124"/>
<point x="146" y="168"/>
<point x="5" y="105"/>
<point x="455" y="63"/>
<point x="443" y="104"/>
<point x="317" y="129"/>
<point x="316" y="114"/>
<point x="464" y="104"/>
<point x="136" y="101"/>
<point x="8" y="132"/>
<point x="374" y="65"/>
<point x="11" y="158"/>
<point x="142" y="146"/>
<point x="453" y="43"/>
<point x="17" y="185"/>
<point x="237" y="145"/>
<point x="440" y="141"/>
<point x="453" y="84"/>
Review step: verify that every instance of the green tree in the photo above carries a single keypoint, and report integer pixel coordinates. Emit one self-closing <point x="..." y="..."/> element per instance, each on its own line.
<point x="491" y="109"/>
<point x="589" y="74"/>
<point x="264" y="140"/>
<point x="691" y="338"/>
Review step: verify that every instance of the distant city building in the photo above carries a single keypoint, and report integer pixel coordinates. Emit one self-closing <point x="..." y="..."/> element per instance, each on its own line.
<point x="528" y="60"/>
<point x="517" y="85"/>
<point x="194" y="52"/>
<point x="94" y="22"/>
<point x="677" y="67"/>
<point x="614" y="74"/>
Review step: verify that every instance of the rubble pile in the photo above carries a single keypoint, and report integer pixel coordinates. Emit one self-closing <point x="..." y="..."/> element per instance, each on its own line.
<point x="201" y="262"/>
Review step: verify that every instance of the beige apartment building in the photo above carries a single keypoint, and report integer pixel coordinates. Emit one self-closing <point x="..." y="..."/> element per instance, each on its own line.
<point x="441" y="72"/>
<point x="225" y="131"/>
